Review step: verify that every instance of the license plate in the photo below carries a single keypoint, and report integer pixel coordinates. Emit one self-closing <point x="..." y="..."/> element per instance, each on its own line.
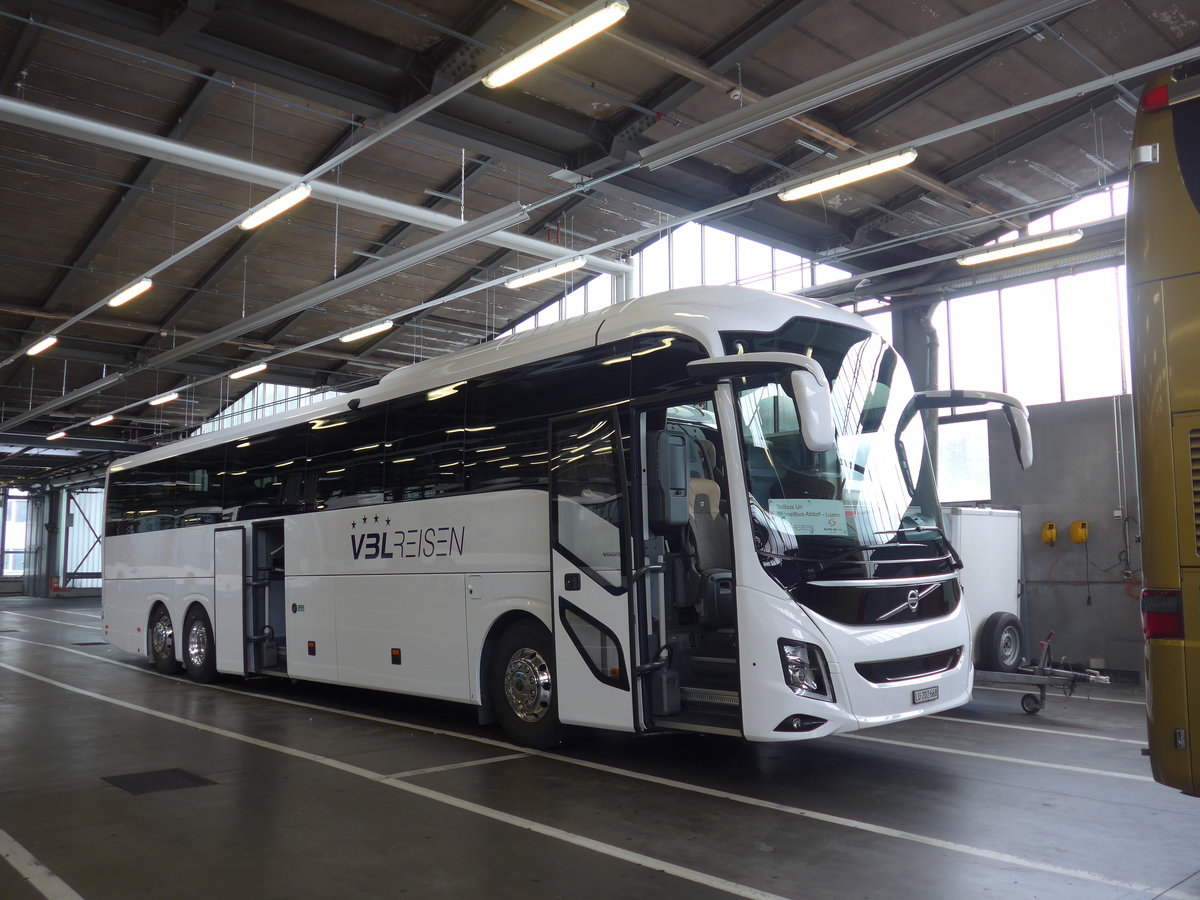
<point x="924" y="695"/>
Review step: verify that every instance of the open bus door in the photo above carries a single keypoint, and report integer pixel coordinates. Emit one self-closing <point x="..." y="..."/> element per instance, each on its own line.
<point x="593" y="609"/>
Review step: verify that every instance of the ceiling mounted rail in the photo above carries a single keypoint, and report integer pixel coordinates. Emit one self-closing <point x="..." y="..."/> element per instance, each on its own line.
<point x="968" y="32"/>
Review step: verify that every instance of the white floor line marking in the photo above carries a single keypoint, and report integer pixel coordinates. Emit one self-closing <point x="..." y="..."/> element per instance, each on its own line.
<point x="569" y="837"/>
<point x="72" y="612"/>
<point x="981" y="687"/>
<point x="9" y="612"/>
<point x="1034" y="728"/>
<point x="991" y="855"/>
<point x="1007" y="759"/>
<point x="413" y="773"/>
<point x="35" y="874"/>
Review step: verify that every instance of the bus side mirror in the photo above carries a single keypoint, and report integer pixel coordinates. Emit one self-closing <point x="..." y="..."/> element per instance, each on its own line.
<point x="805" y="380"/>
<point x="1018" y="423"/>
<point x="814" y="409"/>
<point x="1014" y="411"/>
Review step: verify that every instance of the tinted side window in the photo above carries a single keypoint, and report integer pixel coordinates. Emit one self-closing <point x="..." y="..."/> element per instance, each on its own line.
<point x="142" y="499"/>
<point x="262" y="473"/>
<point x="425" y="444"/>
<point x="660" y="363"/>
<point x="200" y="487"/>
<point x="504" y="436"/>
<point x="346" y="459"/>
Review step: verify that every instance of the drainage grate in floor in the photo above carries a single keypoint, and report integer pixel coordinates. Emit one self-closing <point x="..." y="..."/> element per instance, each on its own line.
<point x="163" y="780"/>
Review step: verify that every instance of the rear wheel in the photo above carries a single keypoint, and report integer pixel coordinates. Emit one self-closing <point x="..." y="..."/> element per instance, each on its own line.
<point x="521" y="682"/>
<point x="199" y="650"/>
<point x="162" y="641"/>
<point x="1000" y="642"/>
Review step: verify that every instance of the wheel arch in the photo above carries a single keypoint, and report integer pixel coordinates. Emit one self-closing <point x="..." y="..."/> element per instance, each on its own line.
<point x="487" y="713"/>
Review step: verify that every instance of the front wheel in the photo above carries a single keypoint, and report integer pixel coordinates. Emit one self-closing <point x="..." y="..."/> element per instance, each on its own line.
<point x="1000" y="642"/>
<point x="521" y="682"/>
<point x="199" y="650"/>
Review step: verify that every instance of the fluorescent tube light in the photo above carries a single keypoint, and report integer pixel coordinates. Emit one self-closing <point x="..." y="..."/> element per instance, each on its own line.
<point x="44" y="344"/>
<point x="576" y="29"/>
<point x="542" y="274"/>
<point x="249" y="370"/>
<point x="377" y="328"/>
<point x="134" y="290"/>
<point x="1017" y="248"/>
<point x="103" y="420"/>
<point x="58" y="435"/>
<point x="280" y="204"/>
<point x="165" y="398"/>
<point x="848" y="175"/>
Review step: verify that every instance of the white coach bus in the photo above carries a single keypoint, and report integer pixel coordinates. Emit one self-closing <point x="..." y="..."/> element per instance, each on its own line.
<point x="710" y="509"/>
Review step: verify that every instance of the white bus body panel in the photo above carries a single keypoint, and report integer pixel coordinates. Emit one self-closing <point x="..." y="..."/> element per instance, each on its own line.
<point x="766" y="613"/>
<point x="158" y="566"/>
<point x="426" y="577"/>
<point x="764" y="617"/>
<point x="229" y="574"/>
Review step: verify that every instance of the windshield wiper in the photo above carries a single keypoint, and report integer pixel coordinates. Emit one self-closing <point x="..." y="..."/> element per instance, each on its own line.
<point x="814" y="567"/>
<point x="936" y="529"/>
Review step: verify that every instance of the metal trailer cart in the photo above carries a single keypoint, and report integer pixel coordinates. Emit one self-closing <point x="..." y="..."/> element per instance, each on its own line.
<point x="1040" y="675"/>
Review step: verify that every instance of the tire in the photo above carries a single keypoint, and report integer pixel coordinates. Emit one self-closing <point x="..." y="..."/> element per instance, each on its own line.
<point x="1031" y="703"/>
<point x="199" y="649"/>
<point x="162" y="641"/>
<point x="1000" y="643"/>
<point x="521" y="683"/>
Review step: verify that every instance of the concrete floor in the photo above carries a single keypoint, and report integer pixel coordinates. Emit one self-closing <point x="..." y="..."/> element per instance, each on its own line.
<point x="323" y="792"/>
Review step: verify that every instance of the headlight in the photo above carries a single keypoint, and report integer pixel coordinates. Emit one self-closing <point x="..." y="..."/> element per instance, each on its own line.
<point x="804" y="669"/>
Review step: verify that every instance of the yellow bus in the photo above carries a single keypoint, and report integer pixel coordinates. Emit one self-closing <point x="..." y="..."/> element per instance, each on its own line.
<point x="1163" y="256"/>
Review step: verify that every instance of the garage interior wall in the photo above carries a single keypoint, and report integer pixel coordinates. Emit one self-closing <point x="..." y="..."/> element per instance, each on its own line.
<point x="1083" y="470"/>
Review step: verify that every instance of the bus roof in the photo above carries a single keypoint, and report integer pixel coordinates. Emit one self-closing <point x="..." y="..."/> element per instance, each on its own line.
<point x="701" y="313"/>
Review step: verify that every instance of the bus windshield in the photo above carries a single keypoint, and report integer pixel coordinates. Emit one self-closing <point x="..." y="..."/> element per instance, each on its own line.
<point x="868" y="500"/>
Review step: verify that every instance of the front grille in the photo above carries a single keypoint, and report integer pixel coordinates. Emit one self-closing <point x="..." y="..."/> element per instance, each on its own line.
<point x="889" y="670"/>
<point x="863" y="603"/>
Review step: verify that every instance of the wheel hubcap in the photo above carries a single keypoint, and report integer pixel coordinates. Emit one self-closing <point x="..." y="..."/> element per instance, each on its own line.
<point x="527" y="685"/>
<point x="197" y="646"/>
<point x="1010" y="646"/>
<point x="162" y="637"/>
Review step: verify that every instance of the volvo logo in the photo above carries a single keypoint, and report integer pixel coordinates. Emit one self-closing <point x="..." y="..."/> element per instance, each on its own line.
<point x="911" y="602"/>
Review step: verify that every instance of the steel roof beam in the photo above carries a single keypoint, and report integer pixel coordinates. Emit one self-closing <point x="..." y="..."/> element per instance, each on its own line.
<point x="761" y="28"/>
<point x="120" y="207"/>
<point x="971" y="165"/>
<point x="907" y="56"/>
<point x="397" y="234"/>
<point x="117" y="138"/>
<point x="17" y="57"/>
